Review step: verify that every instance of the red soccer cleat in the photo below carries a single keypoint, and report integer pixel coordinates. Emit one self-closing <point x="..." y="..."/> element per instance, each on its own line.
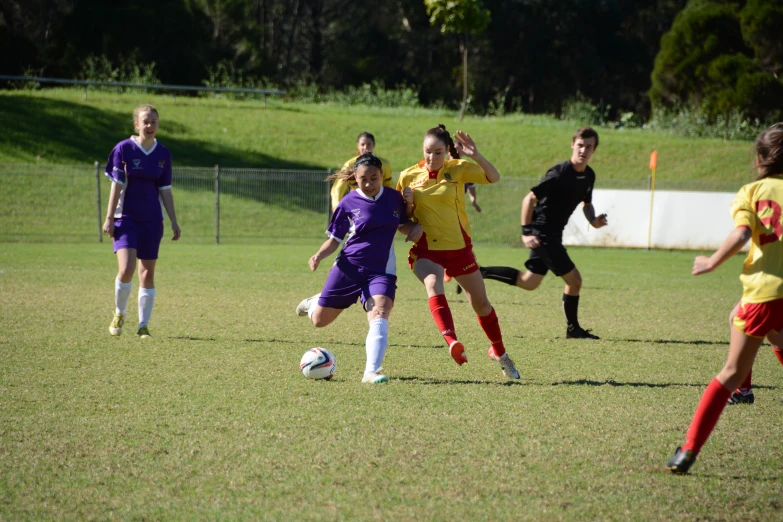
<point x="457" y="351"/>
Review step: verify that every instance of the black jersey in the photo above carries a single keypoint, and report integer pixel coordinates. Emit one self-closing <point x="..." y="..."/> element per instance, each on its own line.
<point x="558" y="195"/>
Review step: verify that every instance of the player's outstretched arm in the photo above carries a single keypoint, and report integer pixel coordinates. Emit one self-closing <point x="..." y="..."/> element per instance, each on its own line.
<point x="595" y="221"/>
<point x="467" y="147"/>
<point x="731" y="245"/>
<point x="413" y="231"/>
<point x="327" y="249"/>
<point x="528" y="204"/>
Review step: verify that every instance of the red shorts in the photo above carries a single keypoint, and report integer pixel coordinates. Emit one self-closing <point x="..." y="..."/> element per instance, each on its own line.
<point x="758" y="319"/>
<point x="455" y="262"/>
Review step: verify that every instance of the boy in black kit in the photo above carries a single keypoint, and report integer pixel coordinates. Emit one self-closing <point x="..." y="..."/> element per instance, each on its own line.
<point x="545" y="213"/>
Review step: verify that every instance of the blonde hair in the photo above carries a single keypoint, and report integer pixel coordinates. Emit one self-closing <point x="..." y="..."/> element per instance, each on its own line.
<point x="144" y="108"/>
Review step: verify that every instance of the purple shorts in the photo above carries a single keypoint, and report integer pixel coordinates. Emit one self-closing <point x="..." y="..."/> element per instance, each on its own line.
<point x="346" y="282"/>
<point x="144" y="236"/>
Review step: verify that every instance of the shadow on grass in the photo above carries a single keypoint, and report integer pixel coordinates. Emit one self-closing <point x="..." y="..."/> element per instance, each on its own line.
<point x="80" y="133"/>
<point x="431" y="380"/>
<point x="611" y="382"/>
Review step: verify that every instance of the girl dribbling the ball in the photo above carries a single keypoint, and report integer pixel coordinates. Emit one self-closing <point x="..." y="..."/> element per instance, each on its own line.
<point x="365" y="268"/>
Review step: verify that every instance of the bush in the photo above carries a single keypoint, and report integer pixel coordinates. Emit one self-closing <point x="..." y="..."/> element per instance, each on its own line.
<point x="583" y="111"/>
<point x="128" y="70"/>
<point x="696" y="122"/>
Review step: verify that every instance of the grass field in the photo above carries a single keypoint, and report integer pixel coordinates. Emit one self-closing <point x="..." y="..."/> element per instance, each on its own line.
<point x="59" y="127"/>
<point x="211" y="419"/>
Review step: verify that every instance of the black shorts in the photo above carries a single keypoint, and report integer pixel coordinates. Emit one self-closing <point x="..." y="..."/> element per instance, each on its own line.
<point x="549" y="256"/>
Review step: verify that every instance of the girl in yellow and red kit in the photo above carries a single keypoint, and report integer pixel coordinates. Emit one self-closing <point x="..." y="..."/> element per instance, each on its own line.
<point x="435" y="195"/>
<point x="757" y="210"/>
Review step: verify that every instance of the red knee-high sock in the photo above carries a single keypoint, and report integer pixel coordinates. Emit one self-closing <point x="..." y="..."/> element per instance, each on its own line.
<point x="747" y="384"/>
<point x="778" y="354"/>
<point x="706" y="417"/>
<point x="441" y="313"/>
<point x="491" y="326"/>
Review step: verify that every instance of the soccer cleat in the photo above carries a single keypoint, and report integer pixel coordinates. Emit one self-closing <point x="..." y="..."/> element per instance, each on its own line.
<point x="577" y="332"/>
<point x="144" y="333"/>
<point x="506" y="364"/>
<point x="681" y="462"/>
<point x="374" y="377"/>
<point x="459" y="289"/>
<point x="115" y="328"/>
<point x="739" y="397"/>
<point x="457" y="351"/>
<point x="304" y="305"/>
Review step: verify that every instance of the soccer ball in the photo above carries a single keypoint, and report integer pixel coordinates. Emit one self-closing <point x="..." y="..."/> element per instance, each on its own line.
<point x="318" y="363"/>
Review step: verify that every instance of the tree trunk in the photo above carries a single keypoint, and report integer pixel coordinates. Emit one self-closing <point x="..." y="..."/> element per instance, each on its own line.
<point x="464" y="48"/>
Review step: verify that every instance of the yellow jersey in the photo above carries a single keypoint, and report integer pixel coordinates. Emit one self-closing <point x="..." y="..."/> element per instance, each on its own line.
<point x="757" y="206"/>
<point x="342" y="187"/>
<point x="439" y="200"/>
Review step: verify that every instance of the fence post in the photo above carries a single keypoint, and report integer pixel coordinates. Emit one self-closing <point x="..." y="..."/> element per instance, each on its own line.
<point x="98" y="200"/>
<point x="328" y="198"/>
<point x="217" y="204"/>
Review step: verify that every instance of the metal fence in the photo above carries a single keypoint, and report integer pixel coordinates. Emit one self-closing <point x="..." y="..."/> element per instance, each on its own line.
<point x="55" y="203"/>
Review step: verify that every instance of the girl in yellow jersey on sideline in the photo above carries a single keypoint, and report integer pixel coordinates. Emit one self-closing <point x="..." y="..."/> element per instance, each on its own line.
<point x="757" y="211"/>
<point x="364" y="143"/>
<point x="435" y="195"/>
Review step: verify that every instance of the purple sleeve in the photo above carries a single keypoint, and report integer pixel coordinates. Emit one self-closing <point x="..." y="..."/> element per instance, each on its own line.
<point x="340" y="225"/>
<point x="165" y="178"/>
<point x="115" y="167"/>
<point x="402" y="209"/>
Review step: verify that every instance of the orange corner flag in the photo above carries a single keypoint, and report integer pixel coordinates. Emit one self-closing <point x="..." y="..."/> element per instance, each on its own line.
<point x="653" y="160"/>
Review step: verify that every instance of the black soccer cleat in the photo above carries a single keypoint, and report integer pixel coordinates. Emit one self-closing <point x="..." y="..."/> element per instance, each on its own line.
<point x="577" y="332"/>
<point x="681" y="462"/>
<point x="459" y="289"/>
<point x="739" y="397"/>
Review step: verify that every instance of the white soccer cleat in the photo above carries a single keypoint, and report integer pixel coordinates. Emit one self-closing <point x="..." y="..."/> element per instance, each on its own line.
<point x="304" y="306"/>
<point x="115" y="328"/>
<point x="506" y="364"/>
<point x="374" y="378"/>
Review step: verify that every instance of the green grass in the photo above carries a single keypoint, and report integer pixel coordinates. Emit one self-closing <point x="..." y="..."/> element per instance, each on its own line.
<point x="59" y="127"/>
<point x="211" y="419"/>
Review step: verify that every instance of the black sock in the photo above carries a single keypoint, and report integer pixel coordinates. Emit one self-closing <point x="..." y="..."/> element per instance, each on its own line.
<point x="504" y="274"/>
<point x="571" y="307"/>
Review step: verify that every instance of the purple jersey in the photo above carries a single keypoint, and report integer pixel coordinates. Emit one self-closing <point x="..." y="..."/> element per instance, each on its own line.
<point x="142" y="175"/>
<point x="374" y="222"/>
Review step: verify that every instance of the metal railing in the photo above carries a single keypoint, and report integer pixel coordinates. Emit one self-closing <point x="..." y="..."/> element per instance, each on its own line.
<point x="43" y="203"/>
<point x="162" y="87"/>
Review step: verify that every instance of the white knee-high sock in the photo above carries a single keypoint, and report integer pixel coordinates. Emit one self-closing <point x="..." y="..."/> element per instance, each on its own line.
<point x="146" y="300"/>
<point x="376" y="343"/>
<point x="121" y="294"/>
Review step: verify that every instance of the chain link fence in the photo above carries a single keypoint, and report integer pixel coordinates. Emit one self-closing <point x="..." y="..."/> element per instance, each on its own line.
<point x="54" y="203"/>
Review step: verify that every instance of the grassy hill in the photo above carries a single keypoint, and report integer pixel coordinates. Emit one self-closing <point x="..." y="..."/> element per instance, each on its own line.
<point x="60" y="127"/>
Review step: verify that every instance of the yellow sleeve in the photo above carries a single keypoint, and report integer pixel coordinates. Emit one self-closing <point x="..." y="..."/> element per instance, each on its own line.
<point x="338" y="192"/>
<point x="387" y="174"/>
<point x="470" y="172"/>
<point x="742" y="209"/>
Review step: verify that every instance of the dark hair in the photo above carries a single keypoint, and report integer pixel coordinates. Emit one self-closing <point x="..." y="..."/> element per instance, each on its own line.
<point x="585" y="133"/>
<point x="769" y="152"/>
<point x="368" y="159"/>
<point x="440" y="133"/>
<point x="367" y="135"/>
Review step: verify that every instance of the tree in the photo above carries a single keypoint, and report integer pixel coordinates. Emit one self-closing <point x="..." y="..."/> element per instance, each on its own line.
<point x="460" y="17"/>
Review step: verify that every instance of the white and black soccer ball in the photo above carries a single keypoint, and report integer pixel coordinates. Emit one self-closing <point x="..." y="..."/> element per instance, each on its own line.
<point x="318" y="363"/>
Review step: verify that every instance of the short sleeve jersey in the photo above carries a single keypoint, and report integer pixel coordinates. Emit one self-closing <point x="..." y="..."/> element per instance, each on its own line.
<point x="439" y="200"/>
<point x="758" y="206"/>
<point x="341" y="187"/>
<point x="142" y="174"/>
<point x="558" y="195"/>
<point x="374" y="223"/>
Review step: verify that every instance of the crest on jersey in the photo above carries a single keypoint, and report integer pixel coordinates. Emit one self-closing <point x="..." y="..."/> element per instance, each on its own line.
<point x="447" y="175"/>
<point x="136" y="163"/>
<point x="396" y="213"/>
<point x="356" y="212"/>
<point x="161" y="164"/>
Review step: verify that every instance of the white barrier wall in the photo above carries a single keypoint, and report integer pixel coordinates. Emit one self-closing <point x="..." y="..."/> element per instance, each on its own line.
<point x="680" y="220"/>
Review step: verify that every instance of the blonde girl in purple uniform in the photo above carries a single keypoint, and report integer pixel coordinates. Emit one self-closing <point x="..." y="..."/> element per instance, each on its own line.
<point x="140" y="170"/>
